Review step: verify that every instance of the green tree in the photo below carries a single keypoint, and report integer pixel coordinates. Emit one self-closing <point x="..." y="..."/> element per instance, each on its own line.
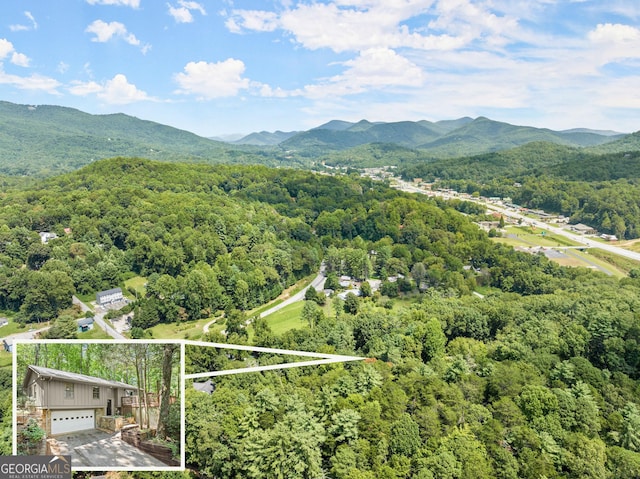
<point x="64" y="327"/>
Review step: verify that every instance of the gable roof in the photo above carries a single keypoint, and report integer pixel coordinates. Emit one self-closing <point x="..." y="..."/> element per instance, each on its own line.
<point x="72" y="377"/>
<point x="108" y="292"/>
<point x="85" y="321"/>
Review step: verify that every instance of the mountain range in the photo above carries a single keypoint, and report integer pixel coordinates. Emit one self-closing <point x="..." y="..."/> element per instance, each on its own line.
<point x="461" y="137"/>
<point x="46" y="139"/>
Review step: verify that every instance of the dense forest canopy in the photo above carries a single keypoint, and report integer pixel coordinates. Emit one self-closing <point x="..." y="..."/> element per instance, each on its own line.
<point x="538" y="378"/>
<point x="601" y="190"/>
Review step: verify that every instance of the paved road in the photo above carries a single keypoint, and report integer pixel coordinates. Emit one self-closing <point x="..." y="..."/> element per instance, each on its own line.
<point x="585" y="240"/>
<point x="99" y="320"/>
<point x="316" y="283"/>
<point x="31" y="334"/>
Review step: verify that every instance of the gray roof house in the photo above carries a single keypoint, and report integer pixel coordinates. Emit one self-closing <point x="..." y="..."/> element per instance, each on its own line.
<point x="72" y="402"/>
<point x="109" y="296"/>
<point x="85" y="324"/>
<point x="205" y="387"/>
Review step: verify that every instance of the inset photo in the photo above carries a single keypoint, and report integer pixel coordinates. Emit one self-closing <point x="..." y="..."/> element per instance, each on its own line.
<point x="109" y="405"/>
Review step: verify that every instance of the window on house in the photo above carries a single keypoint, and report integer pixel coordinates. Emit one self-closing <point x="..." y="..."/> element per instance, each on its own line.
<point x="96" y="393"/>
<point x="68" y="391"/>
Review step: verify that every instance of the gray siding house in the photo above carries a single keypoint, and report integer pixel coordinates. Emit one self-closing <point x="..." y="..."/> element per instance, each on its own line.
<point x="72" y="402"/>
<point x="109" y="296"/>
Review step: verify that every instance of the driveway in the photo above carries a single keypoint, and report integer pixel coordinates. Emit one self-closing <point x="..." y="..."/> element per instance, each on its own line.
<point x="94" y="448"/>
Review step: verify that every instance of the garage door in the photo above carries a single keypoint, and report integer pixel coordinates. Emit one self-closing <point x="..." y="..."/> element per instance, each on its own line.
<point x="72" y="420"/>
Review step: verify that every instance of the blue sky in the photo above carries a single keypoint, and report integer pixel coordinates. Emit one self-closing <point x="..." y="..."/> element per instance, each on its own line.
<point x="218" y="67"/>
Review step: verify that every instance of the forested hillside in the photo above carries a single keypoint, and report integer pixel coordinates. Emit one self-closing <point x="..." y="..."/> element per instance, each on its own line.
<point x="45" y="140"/>
<point x="601" y="190"/>
<point x="537" y="378"/>
<point x="48" y="140"/>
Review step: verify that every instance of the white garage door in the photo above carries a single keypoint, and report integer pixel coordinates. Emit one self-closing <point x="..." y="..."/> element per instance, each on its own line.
<point x="72" y="420"/>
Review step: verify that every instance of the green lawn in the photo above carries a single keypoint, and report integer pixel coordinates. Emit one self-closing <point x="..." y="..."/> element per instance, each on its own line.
<point x="6" y="359"/>
<point x="137" y="283"/>
<point x="289" y="317"/>
<point x="94" y="333"/>
<point x="11" y="328"/>
<point x="187" y="330"/>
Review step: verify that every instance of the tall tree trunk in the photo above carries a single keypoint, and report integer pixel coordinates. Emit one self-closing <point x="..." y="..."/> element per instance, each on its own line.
<point x="165" y="388"/>
<point x="145" y="379"/>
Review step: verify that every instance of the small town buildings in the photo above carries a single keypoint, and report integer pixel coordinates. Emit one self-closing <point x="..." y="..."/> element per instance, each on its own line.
<point x="3" y="322"/>
<point x="71" y="402"/>
<point x="583" y="229"/>
<point x="603" y="236"/>
<point x="109" y="296"/>
<point x="7" y="344"/>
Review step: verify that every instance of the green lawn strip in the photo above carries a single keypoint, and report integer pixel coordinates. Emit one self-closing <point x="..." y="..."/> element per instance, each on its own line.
<point x="531" y="236"/>
<point x="6" y="359"/>
<point x="94" y="333"/>
<point x="187" y="330"/>
<point x="622" y="264"/>
<point x="589" y="257"/>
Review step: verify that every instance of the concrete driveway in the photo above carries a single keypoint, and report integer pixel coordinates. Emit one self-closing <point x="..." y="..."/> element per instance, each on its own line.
<point x="94" y="448"/>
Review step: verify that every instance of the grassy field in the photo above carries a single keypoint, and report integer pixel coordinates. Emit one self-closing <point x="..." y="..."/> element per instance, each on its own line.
<point x="527" y="237"/>
<point x="187" y="330"/>
<point x="633" y="245"/>
<point x="136" y="283"/>
<point x="289" y="317"/>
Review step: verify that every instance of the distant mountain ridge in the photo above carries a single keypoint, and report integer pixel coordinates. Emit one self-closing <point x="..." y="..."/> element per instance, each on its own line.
<point x="447" y="138"/>
<point x="45" y="140"/>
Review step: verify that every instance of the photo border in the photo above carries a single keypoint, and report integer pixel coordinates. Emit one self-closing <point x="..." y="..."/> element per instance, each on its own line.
<point x="181" y="383"/>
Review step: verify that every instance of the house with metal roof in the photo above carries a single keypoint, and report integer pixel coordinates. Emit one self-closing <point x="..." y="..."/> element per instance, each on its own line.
<point x="85" y="324"/>
<point x="72" y="402"/>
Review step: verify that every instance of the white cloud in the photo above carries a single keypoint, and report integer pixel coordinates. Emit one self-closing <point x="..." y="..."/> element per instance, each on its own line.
<point x="32" y="82"/>
<point x="614" y="42"/>
<point x="212" y="80"/>
<point x="355" y="25"/>
<point x="255" y="20"/>
<point x="614" y="33"/>
<point x="373" y="69"/>
<point x="106" y="31"/>
<point x="20" y="59"/>
<point x="85" y="88"/>
<point x="19" y="27"/>
<point x="62" y="67"/>
<point x="6" y="49"/>
<point x="117" y="91"/>
<point x="123" y="3"/>
<point x="182" y="13"/>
